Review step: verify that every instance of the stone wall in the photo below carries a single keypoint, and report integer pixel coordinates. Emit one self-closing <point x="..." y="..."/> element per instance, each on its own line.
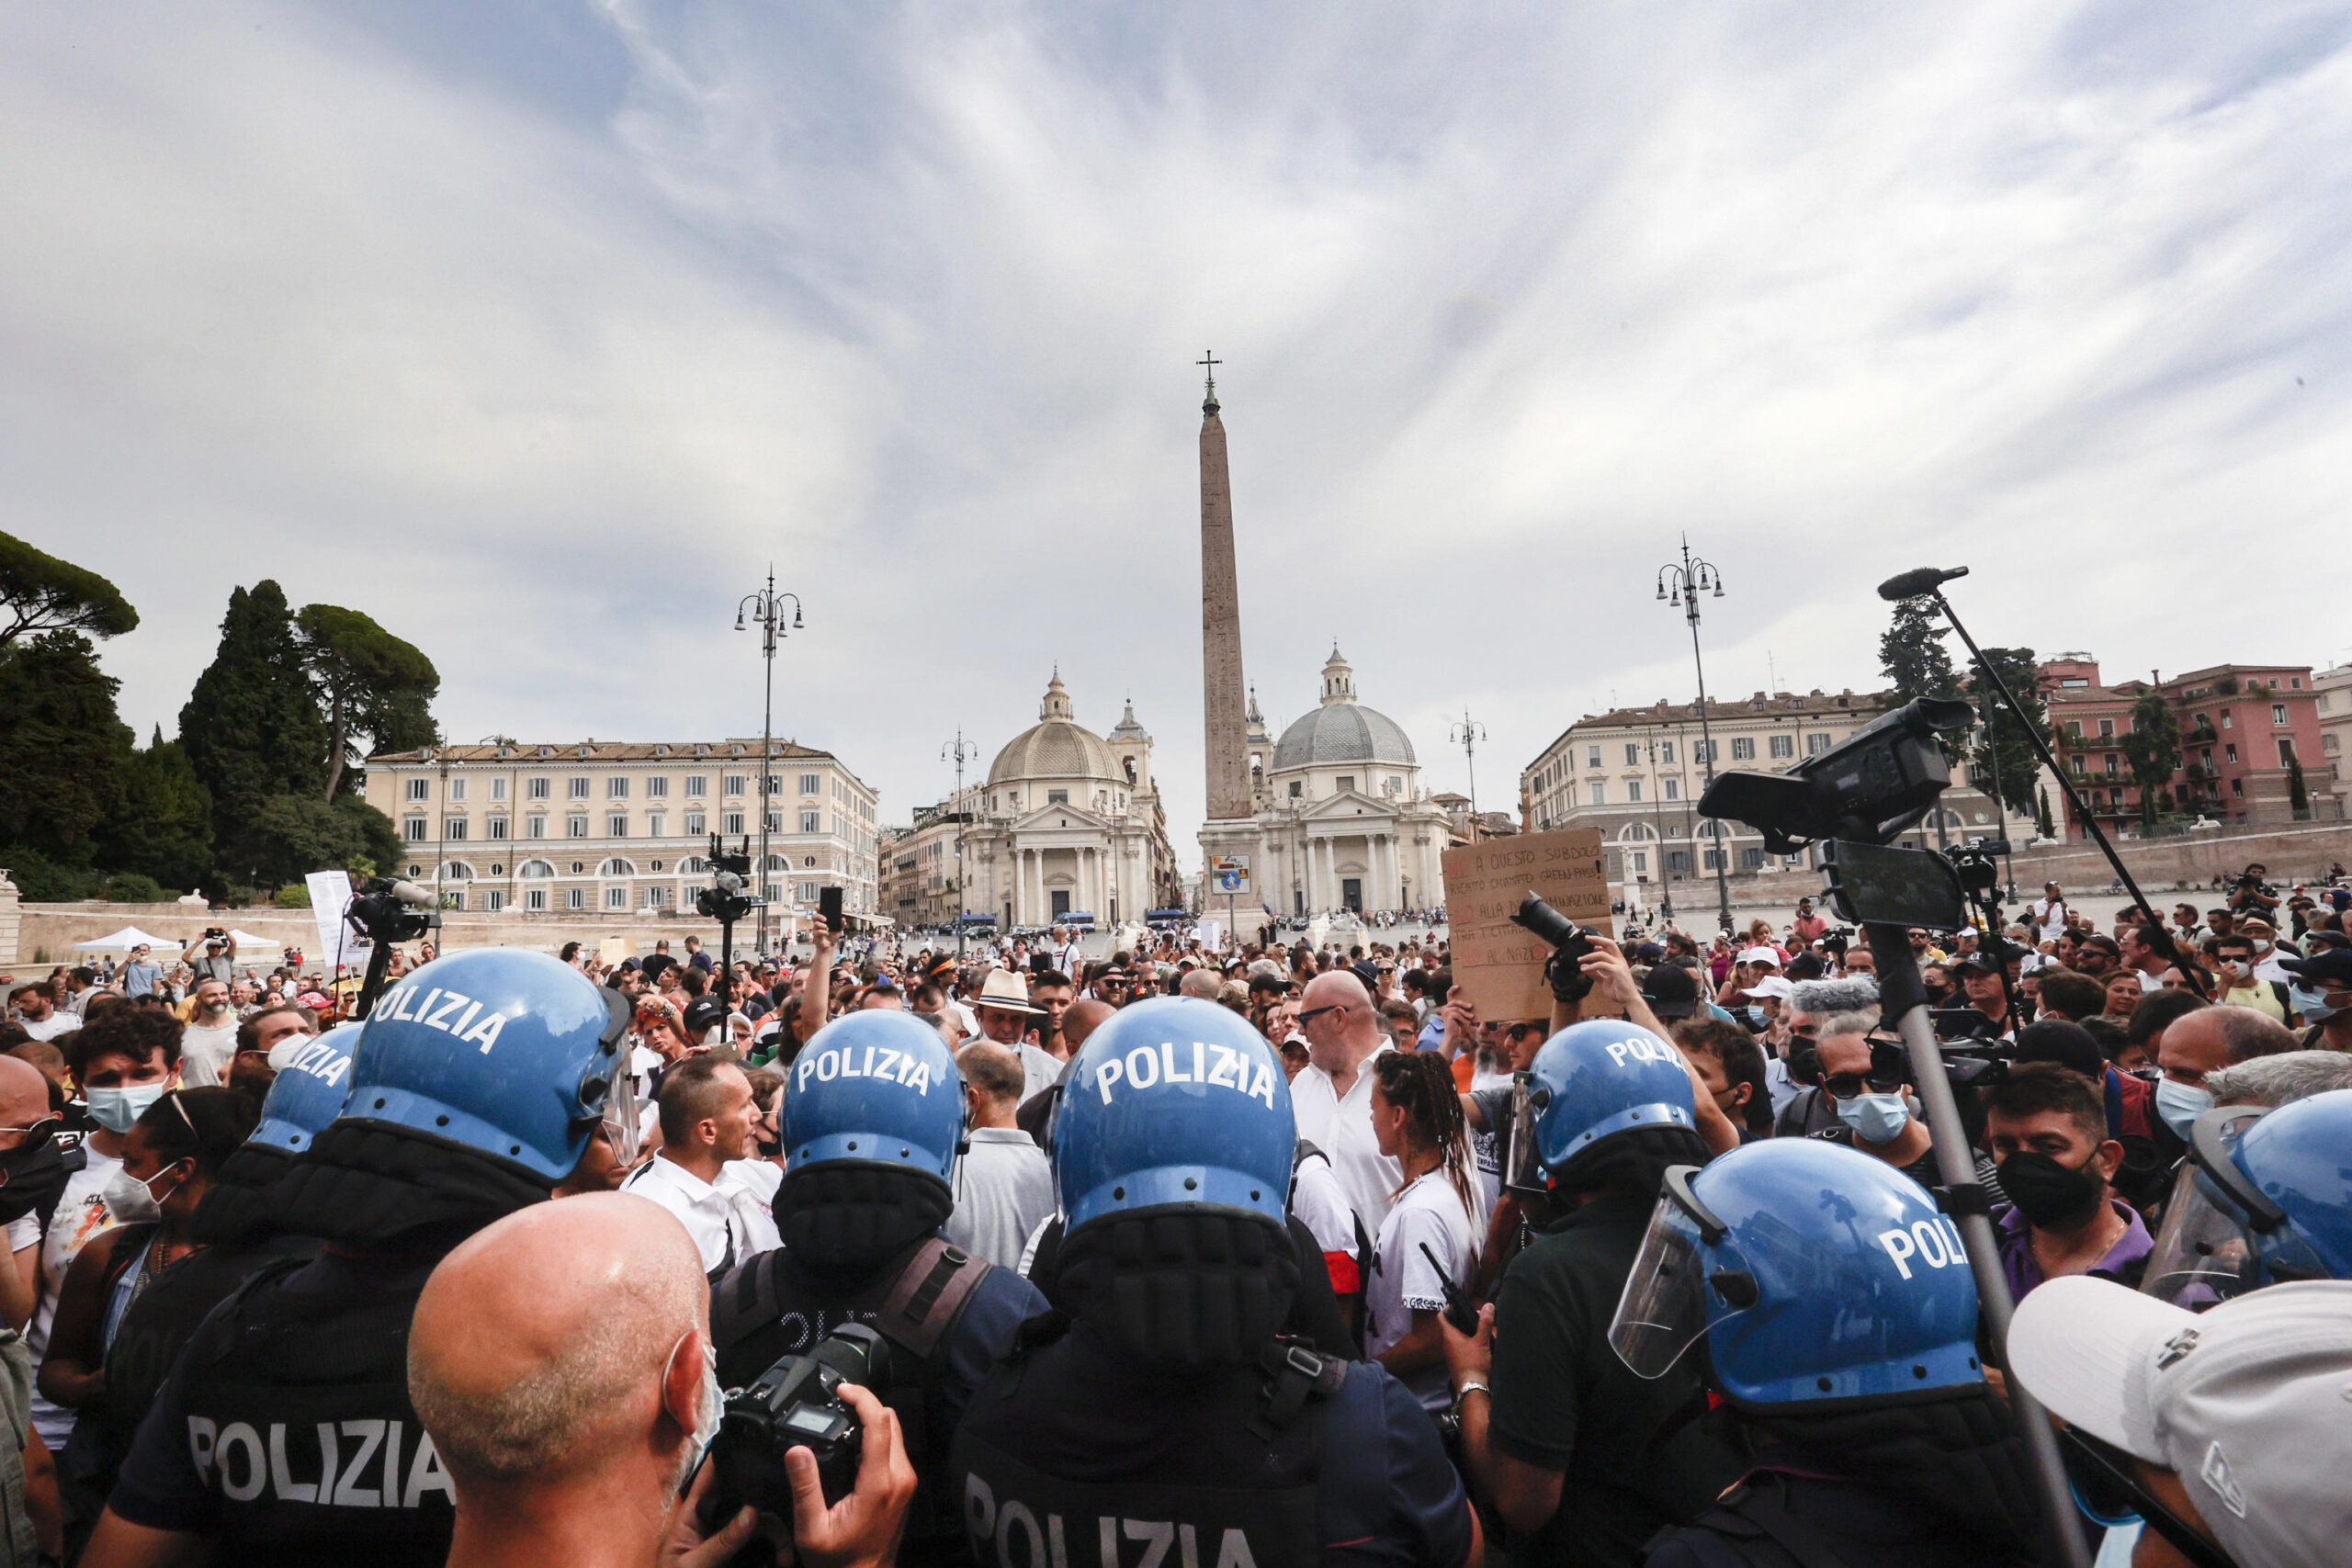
<point x="2291" y="854"/>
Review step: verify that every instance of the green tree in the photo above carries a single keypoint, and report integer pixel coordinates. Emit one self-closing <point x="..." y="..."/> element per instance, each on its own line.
<point x="293" y="835"/>
<point x="2153" y="750"/>
<point x="2043" y="822"/>
<point x="253" y="731"/>
<point x="2002" y="745"/>
<point x="1912" y="653"/>
<point x="2298" y="795"/>
<point x="40" y="593"/>
<point x="373" y="685"/>
<point x="162" y="826"/>
<point x="62" y="769"/>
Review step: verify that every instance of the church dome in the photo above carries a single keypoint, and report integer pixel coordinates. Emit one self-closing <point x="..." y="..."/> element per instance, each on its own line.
<point x="1342" y="730"/>
<point x="1057" y="746"/>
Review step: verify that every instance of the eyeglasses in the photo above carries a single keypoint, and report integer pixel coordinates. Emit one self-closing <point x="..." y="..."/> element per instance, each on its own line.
<point x="1847" y="1086"/>
<point x="1313" y="1013"/>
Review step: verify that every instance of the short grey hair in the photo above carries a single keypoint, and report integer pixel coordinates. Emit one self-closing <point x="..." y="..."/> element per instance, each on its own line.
<point x="2281" y="1079"/>
<point x="1847" y="1023"/>
<point x="1848" y="994"/>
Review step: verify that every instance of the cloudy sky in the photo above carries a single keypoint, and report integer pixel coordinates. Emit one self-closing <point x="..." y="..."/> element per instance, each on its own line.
<point x="537" y="329"/>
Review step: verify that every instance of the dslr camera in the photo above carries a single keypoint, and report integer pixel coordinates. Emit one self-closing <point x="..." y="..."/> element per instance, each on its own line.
<point x="795" y="1404"/>
<point x="1568" y="940"/>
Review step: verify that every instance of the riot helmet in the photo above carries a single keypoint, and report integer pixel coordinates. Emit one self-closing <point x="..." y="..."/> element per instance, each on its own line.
<point x="2264" y="1196"/>
<point x="305" y="1096"/>
<point x="872" y="1123"/>
<point x="1817" y="1275"/>
<point x="1591" y="1084"/>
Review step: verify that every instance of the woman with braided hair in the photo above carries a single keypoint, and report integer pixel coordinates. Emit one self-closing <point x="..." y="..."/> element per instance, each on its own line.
<point x="1417" y="1116"/>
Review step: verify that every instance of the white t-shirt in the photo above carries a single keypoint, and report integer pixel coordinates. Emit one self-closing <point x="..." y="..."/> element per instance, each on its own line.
<point x="205" y="1051"/>
<point x="1429" y="1212"/>
<point x="81" y="1214"/>
<point x="2049" y="917"/>
<point x="50" y="1027"/>
<point x="1343" y="1129"/>
<point x="1318" y="1201"/>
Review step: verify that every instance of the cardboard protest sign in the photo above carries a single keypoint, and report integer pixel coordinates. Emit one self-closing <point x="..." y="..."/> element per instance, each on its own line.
<point x="1499" y="966"/>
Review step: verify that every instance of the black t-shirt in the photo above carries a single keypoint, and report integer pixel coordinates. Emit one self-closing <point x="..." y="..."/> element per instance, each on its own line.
<point x="1921" y="1171"/>
<point x="1563" y="1401"/>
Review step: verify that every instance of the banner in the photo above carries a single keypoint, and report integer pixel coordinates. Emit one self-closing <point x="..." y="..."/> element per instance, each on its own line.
<point x="1499" y="966"/>
<point x="338" y="944"/>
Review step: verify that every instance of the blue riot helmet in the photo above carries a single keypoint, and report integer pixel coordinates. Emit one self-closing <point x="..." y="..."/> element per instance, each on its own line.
<point x="1172" y="1149"/>
<point x="309" y="1090"/>
<point x="1813" y="1272"/>
<point x="1590" y="1083"/>
<point x="2264" y="1196"/>
<point x="509" y="1054"/>
<point x="1175" y="1100"/>
<point x="872" y="1125"/>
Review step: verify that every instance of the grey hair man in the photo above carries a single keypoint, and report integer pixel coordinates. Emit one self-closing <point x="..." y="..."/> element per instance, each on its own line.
<point x="2279" y="1080"/>
<point x="1790" y="1063"/>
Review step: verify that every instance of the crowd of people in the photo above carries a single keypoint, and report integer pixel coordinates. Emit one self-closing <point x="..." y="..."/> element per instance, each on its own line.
<point x="1202" y="1255"/>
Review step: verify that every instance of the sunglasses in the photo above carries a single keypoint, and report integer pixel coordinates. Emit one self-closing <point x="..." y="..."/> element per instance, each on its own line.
<point x="1847" y="1086"/>
<point x="1312" y="1013"/>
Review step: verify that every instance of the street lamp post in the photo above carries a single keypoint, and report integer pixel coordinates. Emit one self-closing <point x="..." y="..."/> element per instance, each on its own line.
<point x="766" y="609"/>
<point x="1657" y="818"/>
<point x="1682" y="585"/>
<point x="958" y="752"/>
<point x="1467" y="735"/>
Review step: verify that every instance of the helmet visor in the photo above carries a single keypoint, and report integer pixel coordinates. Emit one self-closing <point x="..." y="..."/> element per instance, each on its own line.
<point x="1664" y="1305"/>
<point x="623" y="1122"/>
<point x="2206" y="1251"/>
<point x="1522" y="1163"/>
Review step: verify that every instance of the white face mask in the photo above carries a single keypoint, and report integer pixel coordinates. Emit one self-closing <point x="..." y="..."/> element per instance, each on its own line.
<point x="2179" y="1104"/>
<point x="132" y="1202"/>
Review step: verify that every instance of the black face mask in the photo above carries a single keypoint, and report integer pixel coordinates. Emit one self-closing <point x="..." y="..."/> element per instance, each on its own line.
<point x="2051" y="1196"/>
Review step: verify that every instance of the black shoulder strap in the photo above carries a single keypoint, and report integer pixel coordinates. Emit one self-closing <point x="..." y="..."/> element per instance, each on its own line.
<point x="1759" y="1504"/>
<point x="223" y="1317"/>
<point x="1293" y="1375"/>
<point x="930" y="1294"/>
<point x="746" y="1300"/>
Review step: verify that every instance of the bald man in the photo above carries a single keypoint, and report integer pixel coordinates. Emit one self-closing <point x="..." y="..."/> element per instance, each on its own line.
<point x="1332" y="1094"/>
<point x="560" y="1361"/>
<point x="34" y="1175"/>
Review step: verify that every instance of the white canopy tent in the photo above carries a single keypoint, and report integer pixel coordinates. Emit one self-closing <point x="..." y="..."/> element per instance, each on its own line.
<point x="128" y="938"/>
<point x="252" y="949"/>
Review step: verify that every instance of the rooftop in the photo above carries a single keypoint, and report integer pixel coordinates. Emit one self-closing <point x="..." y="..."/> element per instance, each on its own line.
<point x="602" y="751"/>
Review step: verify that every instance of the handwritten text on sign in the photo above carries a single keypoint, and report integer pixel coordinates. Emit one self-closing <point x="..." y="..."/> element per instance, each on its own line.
<point x="1499" y="964"/>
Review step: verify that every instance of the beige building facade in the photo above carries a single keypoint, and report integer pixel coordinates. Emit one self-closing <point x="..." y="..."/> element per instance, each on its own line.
<point x="625" y="828"/>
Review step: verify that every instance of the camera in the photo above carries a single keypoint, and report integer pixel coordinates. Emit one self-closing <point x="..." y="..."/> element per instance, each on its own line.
<point x="795" y="1404"/>
<point x="724" y="899"/>
<point x="1880" y="782"/>
<point x="1569" y="943"/>
<point x="386" y="911"/>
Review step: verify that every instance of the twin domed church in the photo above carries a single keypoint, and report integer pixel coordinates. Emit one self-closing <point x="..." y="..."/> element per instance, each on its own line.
<point x="1068" y="821"/>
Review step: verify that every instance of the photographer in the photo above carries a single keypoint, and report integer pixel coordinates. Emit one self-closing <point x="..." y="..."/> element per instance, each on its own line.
<point x="561" y="1361"/>
<point x="1866" y="1081"/>
<point x="212" y="956"/>
<point x="2252" y="896"/>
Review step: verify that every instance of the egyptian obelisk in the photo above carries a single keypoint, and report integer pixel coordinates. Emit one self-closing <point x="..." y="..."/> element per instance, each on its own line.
<point x="1222" y="699"/>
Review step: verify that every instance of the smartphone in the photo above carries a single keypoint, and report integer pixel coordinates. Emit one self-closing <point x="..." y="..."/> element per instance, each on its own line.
<point x="829" y="905"/>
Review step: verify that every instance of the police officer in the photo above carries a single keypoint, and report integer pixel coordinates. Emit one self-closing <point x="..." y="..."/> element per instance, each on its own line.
<point x="2262" y="1197"/>
<point x="1164" y="1420"/>
<point x="1831" y="1306"/>
<point x="872" y="1123"/>
<point x="285" y="1434"/>
<point x="1584" y="1460"/>
<point x="304" y="1098"/>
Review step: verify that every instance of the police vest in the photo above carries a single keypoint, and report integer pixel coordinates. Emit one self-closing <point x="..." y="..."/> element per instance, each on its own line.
<point x="769" y="1308"/>
<point x="298" y="1419"/>
<point x="1223" y="1474"/>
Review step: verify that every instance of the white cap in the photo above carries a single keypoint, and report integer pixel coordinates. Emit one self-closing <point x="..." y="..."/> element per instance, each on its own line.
<point x="1759" y="955"/>
<point x="2247" y="1403"/>
<point x="1772" y="986"/>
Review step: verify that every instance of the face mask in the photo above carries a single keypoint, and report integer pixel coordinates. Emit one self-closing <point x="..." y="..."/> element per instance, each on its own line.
<point x="2313" y="1005"/>
<point x="2050" y="1195"/>
<point x="1875" y="1118"/>
<point x="132" y="1202"/>
<point x="2179" y="1104"/>
<point x="117" y="1109"/>
<point x="1755" y="1017"/>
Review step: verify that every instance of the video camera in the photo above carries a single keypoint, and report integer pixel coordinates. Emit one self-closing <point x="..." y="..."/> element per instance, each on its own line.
<point x="386" y="911"/>
<point x="794" y="1404"/>
<point x="1569" y="942"/>
<point x="725" y="898"/>
<point x="1880" y="782"/>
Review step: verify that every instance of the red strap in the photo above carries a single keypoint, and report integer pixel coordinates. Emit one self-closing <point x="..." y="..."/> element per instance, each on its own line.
<point x="1346" y="1278"/>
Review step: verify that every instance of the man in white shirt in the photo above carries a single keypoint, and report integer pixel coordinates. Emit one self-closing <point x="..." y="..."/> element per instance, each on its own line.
<point x="37" y="1015"/>
<point x="1004" y="1185"/>
<point x="1006" y="1017"/>
<point x="2049" y="912"/>
<point x="210" y="1041"/>
<point x="708" y="1116"/>
<point x="1331" y="1095"/>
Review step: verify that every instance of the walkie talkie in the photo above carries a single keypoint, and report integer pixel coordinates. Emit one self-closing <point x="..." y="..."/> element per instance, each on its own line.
<point x="1460" y="1310"/>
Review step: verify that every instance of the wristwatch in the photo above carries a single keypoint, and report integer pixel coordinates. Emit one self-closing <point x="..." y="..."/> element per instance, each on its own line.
<point x="1469" y="1386"/>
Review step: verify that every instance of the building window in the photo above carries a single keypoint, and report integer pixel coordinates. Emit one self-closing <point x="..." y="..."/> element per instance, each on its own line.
<point x="2237" y="786"/>
<point x="412" y="830"/>
<point x="1678" y="860"/>
<point x="1674" y="789"/>
<point x="1053" y="797"/>
<point x="808" y="892"/>
<point x="1599" y="790"/>
<point x="2106" y="729"/>
<point x="809" y="821"/>
<point x="616" y="787"/>
<point x="493" y="899"/>
<point x="1666" y="751"/>
<point x="736" y="783"/>
<point x="698" y="785"/>
<point x="1749" y="860"/>
<point x="539" y="789"/>
<point x="2278" y="716"/>
<point x="2225" y="719"/>
<point x="1743" y="748"/>
<point x="1641" y="860"/>
<point x="1703" y="751"/>
<point x="495" y="826"/>
<point x="420" y="789"/>
<point x="1784" y="745"/>
<point x="2286" y="753"/>
<point x="1632" y="753"/>
<point x="810" y="783"/>
<point x="576" y="897"/>
<point x="771" y="822"/>
<point x="1633" y="789"/>
<point x="577" y="787"/>
<point x="453" y="827"/>
<point x="535" y="898"/>
<point x="2331" y="741"/>
<point x="1712" y="859"/>
<point x="1816" y="743"/>
<point x="2111" y="762"/>
<point x="657" y="789"/>
<point x="498" y="787"/>
<point x="616" y="898"/>
<point x="1297" y="789"/>
<point x="655" y="897"/>
<point x="616" y="825"/>
<point x="1593" y="756"/>
<point x="2074" y="727"/>
<point x="535" y="827"/>
<point x="656" y="825"/>
<point x="731" y="823"/>
<point x="576" y="826"/>
<point x="458" y="787"/>
<point x="695" y="824"/>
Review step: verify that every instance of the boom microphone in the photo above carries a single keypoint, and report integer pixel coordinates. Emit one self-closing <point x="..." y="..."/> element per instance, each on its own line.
<point x="415" y="898"/>
<point x="1925" y="579"/>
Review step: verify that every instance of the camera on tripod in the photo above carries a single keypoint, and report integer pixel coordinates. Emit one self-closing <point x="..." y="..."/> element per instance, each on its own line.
<point x="1569" y="942"/>
<point x="1974" y="864"/>
<point x="795" y="1404"/>
<point x="726" y="900"/>
<point x="386" y="911"/>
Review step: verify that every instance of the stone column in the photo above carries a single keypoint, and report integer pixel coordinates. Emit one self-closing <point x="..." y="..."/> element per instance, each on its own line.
<point x="11" y="920"/>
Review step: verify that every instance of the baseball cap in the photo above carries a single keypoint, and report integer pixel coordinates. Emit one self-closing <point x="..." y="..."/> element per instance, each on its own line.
<point x="2244" y="1403"/>
<point x="1672" y="991"/>
<point x="1759" y="955"/>
<point x="1772" y="986"/>
<point x="2331" y="966"/>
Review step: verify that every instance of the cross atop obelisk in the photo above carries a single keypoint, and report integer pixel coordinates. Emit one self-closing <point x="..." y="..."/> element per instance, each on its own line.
<point x="1222" y="700"/>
